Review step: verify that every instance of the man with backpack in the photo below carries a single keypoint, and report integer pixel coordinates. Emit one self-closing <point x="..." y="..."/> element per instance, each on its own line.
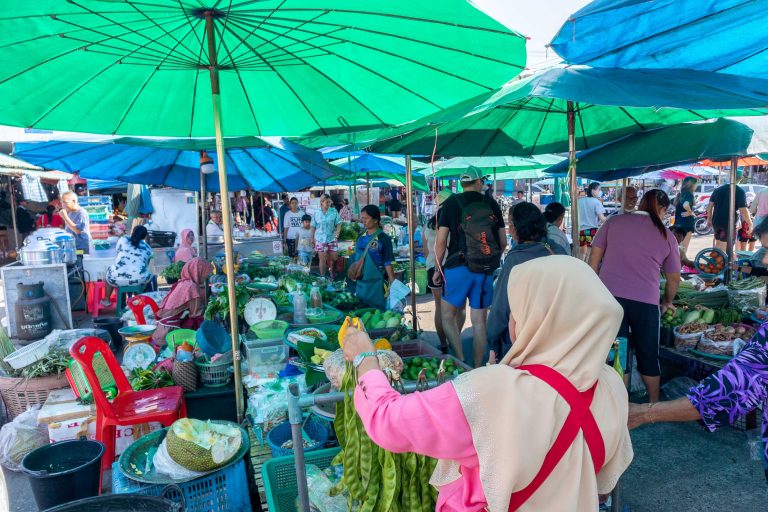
<point x="471" y="255"/>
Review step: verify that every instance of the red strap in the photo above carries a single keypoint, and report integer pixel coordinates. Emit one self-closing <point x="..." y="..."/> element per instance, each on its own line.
<point x="580" y="418"/>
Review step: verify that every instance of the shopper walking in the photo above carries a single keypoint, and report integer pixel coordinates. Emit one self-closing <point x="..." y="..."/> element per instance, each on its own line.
<point x="528" y="228"/>
<point x="493" y="428"/>
<point x="591" y="216"/>
<point x="718" y="212"/>
<point x="685" y="219"/>
<point x="477" y="240"/>
<point x="326" y="225"/>
<point x="628" y="253"/>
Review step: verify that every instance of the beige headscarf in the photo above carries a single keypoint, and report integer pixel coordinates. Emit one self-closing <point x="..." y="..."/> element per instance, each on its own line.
<point x="565" y="318"/>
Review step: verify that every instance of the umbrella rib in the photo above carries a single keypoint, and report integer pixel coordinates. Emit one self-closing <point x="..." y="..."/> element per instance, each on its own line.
<point x="396" y="36"/>
<point x="642" y="127"/>
<point x="189" y="21"/>
<point x="334" y="82"/>
<point x="265" y="19"/>
<point x="116" y="23"/>
<point x="581" y="124"/>
<point x="178" y="41"/>
<point x="387" y="79"/>
<point x="263" y="168"/>
<point x="541" y="126"/>
<point x="500" y="130"/>
<point x="194" y="97"/>
<point x="391" y="54"/>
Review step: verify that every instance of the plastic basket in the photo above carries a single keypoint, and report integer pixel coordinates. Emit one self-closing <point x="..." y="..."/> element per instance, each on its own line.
<point x="315" y="430"/>
<point x="213" y="375"/>
<point x="79" y="381"/>
<point x="421" y="279"/>
<point x="27" y="355"/>
<point x="98" y="216"/>
<point x="223" y="491"/>
<point x="94" y="200"/>
<point x="177" y="337"/>
<point x="279" y="476"/>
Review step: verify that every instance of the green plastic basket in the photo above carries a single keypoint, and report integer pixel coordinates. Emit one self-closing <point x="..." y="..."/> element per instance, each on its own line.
<point x="177" y="338"/>
<point x="279" y="475"/>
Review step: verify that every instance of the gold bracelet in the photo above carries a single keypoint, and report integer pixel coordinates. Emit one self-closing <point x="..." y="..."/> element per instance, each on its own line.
<point x="649" y="416"/>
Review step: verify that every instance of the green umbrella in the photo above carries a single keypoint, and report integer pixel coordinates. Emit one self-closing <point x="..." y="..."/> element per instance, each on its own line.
<point x="500" y="167"/>
<point x="187" y="68"/>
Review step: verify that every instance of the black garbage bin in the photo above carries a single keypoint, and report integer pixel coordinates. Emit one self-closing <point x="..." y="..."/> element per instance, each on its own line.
<point x="121" y="502"/>
<point x="111" y="324"/>
<point x="65" y="471"/>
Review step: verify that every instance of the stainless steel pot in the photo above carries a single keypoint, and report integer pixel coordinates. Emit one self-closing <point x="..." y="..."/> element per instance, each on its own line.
<point x="40" y="252"/>
<point x="64" y="240"/>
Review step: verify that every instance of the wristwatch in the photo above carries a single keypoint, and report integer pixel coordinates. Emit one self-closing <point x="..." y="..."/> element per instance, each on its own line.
<point x="359" y="358"/>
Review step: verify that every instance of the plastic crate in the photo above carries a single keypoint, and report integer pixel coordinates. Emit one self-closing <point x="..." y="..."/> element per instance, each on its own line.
<point x="225" y="490"/>
<point x="315" y="430"/>
<point x="413" y="348"/>
<point x="94" y="200"/>
<point x="279" y="477"/>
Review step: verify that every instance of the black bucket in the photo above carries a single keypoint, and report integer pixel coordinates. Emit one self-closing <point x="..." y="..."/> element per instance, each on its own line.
<point x="111" y="324"/>
<point x="65" y="471"/>
<point x="119" y="503"/>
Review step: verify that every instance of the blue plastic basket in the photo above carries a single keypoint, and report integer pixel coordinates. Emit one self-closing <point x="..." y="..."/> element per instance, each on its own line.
<point x="282" y="433"/>
<point x="223" y="491"/>
<point x="279" y="477"/>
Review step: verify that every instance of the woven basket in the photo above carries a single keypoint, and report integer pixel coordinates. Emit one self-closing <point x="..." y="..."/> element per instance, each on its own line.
<point x="185" y="375"/>
<point x="19" y="394"/>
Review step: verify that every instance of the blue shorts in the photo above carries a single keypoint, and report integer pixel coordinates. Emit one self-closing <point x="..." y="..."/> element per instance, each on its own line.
<point x="461" y="284"/>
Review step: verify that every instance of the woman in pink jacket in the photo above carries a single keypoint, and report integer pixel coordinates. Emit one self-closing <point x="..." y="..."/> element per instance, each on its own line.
<point x="545" y="430"/>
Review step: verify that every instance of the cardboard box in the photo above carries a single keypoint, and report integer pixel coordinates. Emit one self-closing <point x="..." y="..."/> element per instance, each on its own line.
<point x="67" y="420"/>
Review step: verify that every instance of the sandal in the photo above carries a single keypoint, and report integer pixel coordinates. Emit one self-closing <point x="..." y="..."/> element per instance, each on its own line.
<point x="106" y="303"/>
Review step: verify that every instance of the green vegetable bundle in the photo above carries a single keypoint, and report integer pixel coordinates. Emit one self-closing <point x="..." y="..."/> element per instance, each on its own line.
<point x="218" y="304"/>
<point x="173" y="271"/>
<point x="55" y="362"/>
<point x="147" y="379"/>
<point x="750" y="283"/>
<point x="374" y="478"/>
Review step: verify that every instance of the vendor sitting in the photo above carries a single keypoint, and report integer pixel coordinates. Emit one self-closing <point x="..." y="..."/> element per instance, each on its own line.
<point x="185" y="303"/>
<point x="131" y="267"/>
<point x="379" y="247"/>
<point x="215" y="227"/>
<point x="186" y="250"/>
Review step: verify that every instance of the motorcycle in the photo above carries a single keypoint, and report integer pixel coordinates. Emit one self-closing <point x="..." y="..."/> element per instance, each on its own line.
<point x="700" y="224"/>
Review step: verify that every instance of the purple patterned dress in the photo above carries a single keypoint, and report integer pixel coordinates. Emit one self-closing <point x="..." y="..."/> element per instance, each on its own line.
<point x="738" y="388"/>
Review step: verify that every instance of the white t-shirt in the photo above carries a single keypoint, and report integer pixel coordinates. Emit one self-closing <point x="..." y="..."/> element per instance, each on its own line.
<point x="305" y="240"/>
<point x="590" y="208"/>
<point x="292" y="222"/>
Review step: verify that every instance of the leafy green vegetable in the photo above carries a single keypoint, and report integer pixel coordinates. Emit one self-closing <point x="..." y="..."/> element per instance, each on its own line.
<point x="173" y="271"/>
<point x="349" y="232"/>
<point x="54" y="363"/>
<point x="218" y="304"/>
<point x="147" y="379"/>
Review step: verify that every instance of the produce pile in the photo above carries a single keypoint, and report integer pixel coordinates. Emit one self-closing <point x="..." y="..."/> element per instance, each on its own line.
<point x="689" y="295"/>
<point x="141" y="379"/>
<point x="349" y="232"/>
<point x="747" y="293"/>
<point x="377" y="319"/>
<point x="730" y="332"/>
<point x="431" y="366"/>
<point x="698" y="314"/>
<point x="712" y="263"/>
<point x="373" y="478"/>
<point x="173" y="271"/>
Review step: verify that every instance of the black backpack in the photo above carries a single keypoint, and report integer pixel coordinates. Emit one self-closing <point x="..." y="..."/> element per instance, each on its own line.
<point x="479" y="236"/>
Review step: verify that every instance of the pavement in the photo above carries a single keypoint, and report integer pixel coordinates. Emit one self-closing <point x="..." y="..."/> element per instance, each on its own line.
<point x="677" y="467"/>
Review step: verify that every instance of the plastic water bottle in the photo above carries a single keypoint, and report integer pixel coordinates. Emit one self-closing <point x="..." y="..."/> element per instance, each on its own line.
<point x="315" y="300"/>
<point x="299" y="306"/>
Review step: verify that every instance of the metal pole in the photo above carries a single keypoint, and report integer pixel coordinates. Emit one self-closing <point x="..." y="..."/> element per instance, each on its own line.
<point x="368" y="185"/>
<point x="572" y="184"/>
<point x="13" y="212"/>
<point x="495" y="189"/>
<point x="624" y="184"/>
<point x="731" y="217"/>
<point x="225" y="210"/>
<point x="253" y="210"/>
<point x="203" y="205"/>
<point x="411" y="239"/>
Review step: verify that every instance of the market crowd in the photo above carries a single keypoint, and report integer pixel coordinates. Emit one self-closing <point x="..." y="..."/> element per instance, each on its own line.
<point x="544" y="324"/>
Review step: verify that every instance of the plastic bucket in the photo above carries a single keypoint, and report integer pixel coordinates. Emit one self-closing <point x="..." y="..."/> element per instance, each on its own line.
<point x="65" y="471"/>
<point x="111" y="324"/>
<point x="122" y="502"/>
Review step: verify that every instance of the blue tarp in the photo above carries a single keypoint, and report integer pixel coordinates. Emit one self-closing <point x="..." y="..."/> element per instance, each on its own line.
<point x="729" y="36"/>
<point x="284" y="166"/>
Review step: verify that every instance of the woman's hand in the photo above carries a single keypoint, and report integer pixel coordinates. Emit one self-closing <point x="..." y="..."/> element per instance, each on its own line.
<point x="638" y="415"/>
<point x="355" y="343"/>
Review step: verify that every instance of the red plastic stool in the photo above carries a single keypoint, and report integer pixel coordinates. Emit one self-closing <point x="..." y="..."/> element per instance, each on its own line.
<point x="95" y="292"/>
<point x="137" y="303"/>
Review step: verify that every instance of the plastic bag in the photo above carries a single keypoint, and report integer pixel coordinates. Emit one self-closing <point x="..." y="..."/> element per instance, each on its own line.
<point x="319" y="486"/>
<point x="743" y="299"/>
<point x="66" y="338"/>
<point x="267" y="405"/>
<point x="678" y="387"/>
<point x="20" y="437"/>
<point x="397" y="292"/>
<point x="166" y="465"/>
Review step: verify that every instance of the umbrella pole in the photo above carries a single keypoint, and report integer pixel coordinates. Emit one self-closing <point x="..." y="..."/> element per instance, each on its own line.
<point x="572" y="186"/>
<point x="411" y="235"/>
<point x="495" y="190"/>
<point x="225" y="210"/>
<point x="253" y="210"/>
<point x="624" y="184"/>
<point x="731" y="218"/>
<point x="12" y="195"/>
<point x="368" y="186"/>
<point x="203" y="219"/>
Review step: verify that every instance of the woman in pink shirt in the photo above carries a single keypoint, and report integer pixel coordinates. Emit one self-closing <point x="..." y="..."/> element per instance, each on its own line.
<point x="759" y="206"/>
<point x="492" y="427"/>
<point x="629" y="253"/>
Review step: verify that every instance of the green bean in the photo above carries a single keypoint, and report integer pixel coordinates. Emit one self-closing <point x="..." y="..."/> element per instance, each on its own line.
<point x="352" y="451"/>
<point x="389" y="481"/>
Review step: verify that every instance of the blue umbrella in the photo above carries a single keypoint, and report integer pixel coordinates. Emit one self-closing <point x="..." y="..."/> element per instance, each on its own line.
<point x="279" y="166"/>
<point x="711" y="35"/>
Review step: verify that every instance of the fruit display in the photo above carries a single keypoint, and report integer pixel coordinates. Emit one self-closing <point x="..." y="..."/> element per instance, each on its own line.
<point x="377" y="319"/>
<point x="201" y="445"/>
<point x="373" y="478"/>
<point x="685" y="315"/>
<point x="431" y="366"/>
<point x="710" y="261"/>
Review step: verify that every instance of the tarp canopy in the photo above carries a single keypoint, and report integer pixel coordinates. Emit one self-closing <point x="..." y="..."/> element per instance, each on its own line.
<point x="281" y="166"/>
<point x="729" y="36"/>
<point x="528" y="117"/>
<point x="657" y="149"/>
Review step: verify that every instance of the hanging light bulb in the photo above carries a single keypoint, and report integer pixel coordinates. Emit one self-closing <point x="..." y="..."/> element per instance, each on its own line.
<point x="206" y="163"/>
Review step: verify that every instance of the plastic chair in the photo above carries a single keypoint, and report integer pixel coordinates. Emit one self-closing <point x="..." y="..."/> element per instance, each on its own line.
<point x="130" y="407"/>
<point x="137" y="303"/>
<point x="123" y="293"/>
<point x="95" y="291"/>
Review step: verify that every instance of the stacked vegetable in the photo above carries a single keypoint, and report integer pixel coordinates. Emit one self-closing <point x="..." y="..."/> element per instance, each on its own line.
<point x="377" y="319"/>
<point x="698" y="314"/>
<point x="373" y="478"/>
<point x="349" y="232"/>
<point x="431" y="365"/>
<point x="747" y="293"/>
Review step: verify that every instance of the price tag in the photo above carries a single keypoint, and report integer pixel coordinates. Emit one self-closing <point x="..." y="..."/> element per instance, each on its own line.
<point x="277" y="247"/>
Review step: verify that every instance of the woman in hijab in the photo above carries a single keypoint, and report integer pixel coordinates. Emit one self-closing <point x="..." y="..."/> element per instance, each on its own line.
<point x="493" y="428"/>
<point x="186" y="251"/>
<point x="185" y="303"/>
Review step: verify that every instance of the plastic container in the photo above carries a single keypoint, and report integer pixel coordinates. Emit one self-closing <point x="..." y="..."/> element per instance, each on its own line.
<point x="94" y="200"/>
<point x="124" y="502"/>
<point x="299" y="306"/>
<point x="413" y="348"/>
<point x="314" y="429"/>
<point x="279" y="476"/>
<point x="214" y="375"/>
<point x="225" y="490"/>
<point x="27" y="355"/>
<point x="269" y="329"/>
<point x="261" y="352"/>
<point x="65" y="471"/>
<point x="315" y="300"/>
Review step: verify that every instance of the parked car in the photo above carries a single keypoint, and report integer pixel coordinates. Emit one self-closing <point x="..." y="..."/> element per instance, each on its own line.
<point x="704" y="191"/>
